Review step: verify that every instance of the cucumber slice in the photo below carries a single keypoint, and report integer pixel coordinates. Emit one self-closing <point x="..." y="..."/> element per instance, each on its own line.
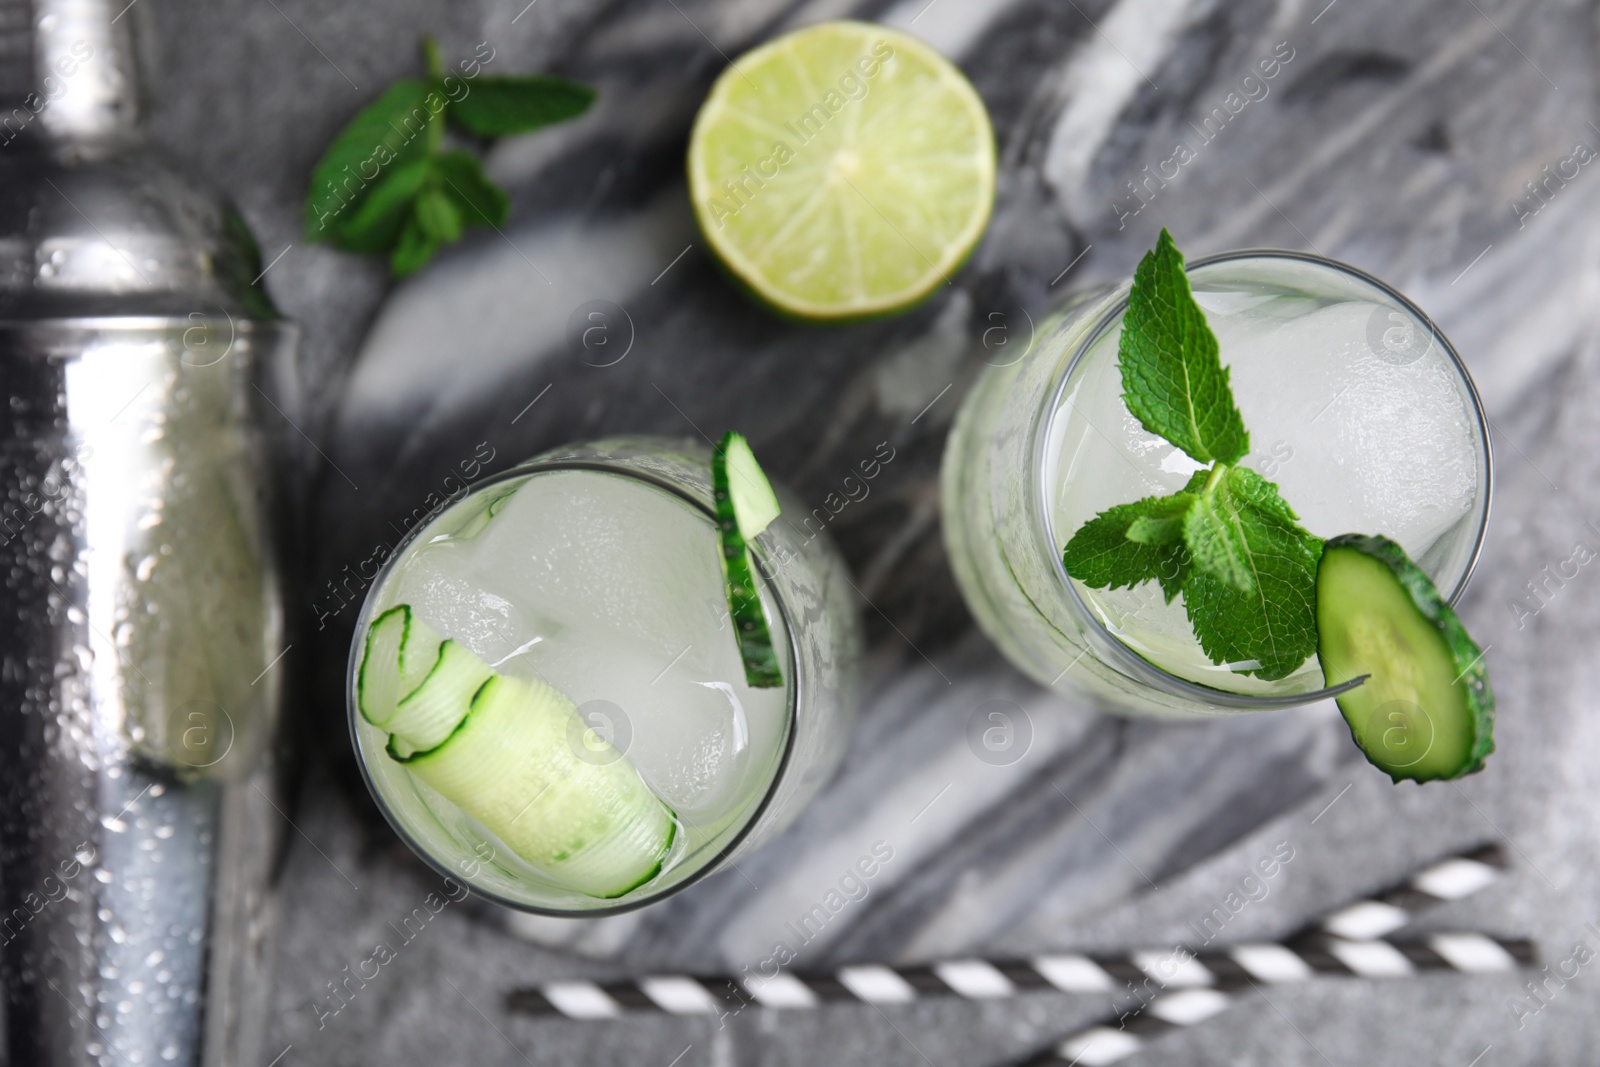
<point x="501" y="749"/>
<point x="594" y="827"/>
<point x="430" y="714"/>
<point x="401" y="649"/>
<point x="473" y="525"/>
<point x="755" y="505"/>
<point x="498" y="504"/>
<point x="746" y="505"/>
<point x="1426" y="711"/>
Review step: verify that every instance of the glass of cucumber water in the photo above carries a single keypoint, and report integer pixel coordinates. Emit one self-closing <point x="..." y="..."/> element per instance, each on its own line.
<point x="556" y="701"/>
<point x="1357" y="407"/>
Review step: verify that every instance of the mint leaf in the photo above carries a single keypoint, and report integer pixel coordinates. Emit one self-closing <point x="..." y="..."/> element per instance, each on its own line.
<point x="412" y="250"/>
<point x="1234" y="505"/>
<point x="494" y="107"/>
<point x="1214" y="531"/>
<point x="1167" y="528"/>
<point x="375" y="226"/>
<point x="1251" y="594"/>
<point x="384" y="136"/>
<point x="1102" y="554"/>
<point x="423" y="206"/>
<point x="480" y="200"/>
<point x="1270" y="631"/>
<point x="1173" y="380"/>
<point x="1176" y="566"/>
<point x="383" y="186"/>
<point x="1162" y="522"/>
<point x="437" y="216"/>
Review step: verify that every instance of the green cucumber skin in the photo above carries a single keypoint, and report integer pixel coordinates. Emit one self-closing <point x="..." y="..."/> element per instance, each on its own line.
<point x="475" y="524"/>
<point x="366" y="684"/>
<point x="745" y="610"/>
<point x="394" y="753"/>
<point x="649" y="875"/>
<point x="600" y="831"/>
<point x="411" y="722"/>
<point x="412" y="631"/>
<point x="1436" y="610"/>
<point x="499" y="503"/>
<point x="761" y="670"/>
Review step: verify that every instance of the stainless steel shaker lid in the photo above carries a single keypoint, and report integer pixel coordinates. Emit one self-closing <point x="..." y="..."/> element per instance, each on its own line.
<point x="92" y="220"/>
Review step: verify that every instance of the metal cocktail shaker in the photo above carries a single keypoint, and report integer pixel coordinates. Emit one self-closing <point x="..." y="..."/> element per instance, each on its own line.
<point x="140" y="621"/>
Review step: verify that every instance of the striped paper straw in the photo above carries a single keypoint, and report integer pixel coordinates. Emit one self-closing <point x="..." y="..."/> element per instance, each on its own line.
<point x="1361" y="923"/>
<point x="1214" y="981"/>
<point x="1345" y="942"/>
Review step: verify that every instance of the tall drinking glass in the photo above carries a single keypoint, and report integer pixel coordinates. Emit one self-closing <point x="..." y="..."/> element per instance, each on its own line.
<point x="1357" y="406"/>
<point x="594" y="568"/>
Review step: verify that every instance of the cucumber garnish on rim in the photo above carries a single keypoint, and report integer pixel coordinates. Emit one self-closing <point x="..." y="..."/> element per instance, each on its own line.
<point x="746" y="505"/>
<point x="1426" y="711"/>
<point x="501" y="750"/>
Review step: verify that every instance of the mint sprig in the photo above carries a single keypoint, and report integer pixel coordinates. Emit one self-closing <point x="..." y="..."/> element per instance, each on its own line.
<point x="387" y="186"/>
<point x="1227" y="540"/>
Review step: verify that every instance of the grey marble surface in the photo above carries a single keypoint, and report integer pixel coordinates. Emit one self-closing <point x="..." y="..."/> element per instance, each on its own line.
<point x="1399" y="138"/>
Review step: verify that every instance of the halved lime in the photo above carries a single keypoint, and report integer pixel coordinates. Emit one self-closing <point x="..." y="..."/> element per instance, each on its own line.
<point x="842" y="170"/>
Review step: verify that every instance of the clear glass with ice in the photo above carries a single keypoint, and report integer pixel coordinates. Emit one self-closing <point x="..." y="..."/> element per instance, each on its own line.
<point x="600" y="575"/>
<point x="1357" y="406"/>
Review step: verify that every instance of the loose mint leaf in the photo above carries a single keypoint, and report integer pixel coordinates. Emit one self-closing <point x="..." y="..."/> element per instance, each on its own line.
<point x="376" y="224"/>
<point x="437" y="216"/>
<point x="480" y="200"/>
<point x="1173" y="380"/>
<point x="1102" y="555"/>
<point x="384" y="136"/>
<point x="494" y="107"/>
<point x="1269" y="625"/>
<point x="412" y="250"/>
<point x="383" y="186"/>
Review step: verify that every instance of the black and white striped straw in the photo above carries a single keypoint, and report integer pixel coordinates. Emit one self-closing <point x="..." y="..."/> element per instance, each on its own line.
<point x="1210" y="982"/>
<point x="1346" y="942"/>
<point x="1350" y="944"/>
<point x="1387" y="911"/>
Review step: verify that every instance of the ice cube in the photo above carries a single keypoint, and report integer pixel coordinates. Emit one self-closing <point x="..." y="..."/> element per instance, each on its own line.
<point x="611" y="590"/>
<point x="1359" y="437"/>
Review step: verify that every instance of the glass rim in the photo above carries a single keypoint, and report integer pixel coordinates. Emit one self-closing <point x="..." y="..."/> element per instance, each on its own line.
<point x="536" y="465"/>
<point x="1099" y="636"/>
